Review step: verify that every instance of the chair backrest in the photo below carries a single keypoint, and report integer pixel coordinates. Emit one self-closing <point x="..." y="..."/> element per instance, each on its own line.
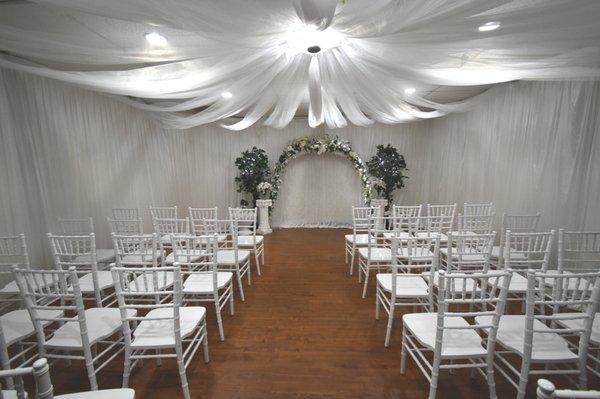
<point x="13" y="251"/>
<point x="479" y="224"/>
<point x="469" y="252"/>
<point x="471" y="209"/>
<point x="414" y="255"/>
<point x="518" y="224"/>
<point x="197" y="217"/>
<point x="467" y="295"/>
<point x="561" y="297"/>
<point x="41" y="374"/>
<point x="377" y="233"/>
<point x="361" y="218"/>
<point x="407" y="211"/>
<point x="246" y="219"/>
<point x="76" y="226"/>
<point x="527" y="251"/>
<point x="168" y="226"/>
<point x="136" y="250"/>
<point x="137" y="288"/>
<point x="77" y="252"/>
<point x="447" y="212"/>
<point x="578" y="251"/>
<point x="61" y="289"/>
<point x="186" y="253"/>
<point x="125" y="214"/>
<point x="163" y="212"/>
<point x="126" y="226"/>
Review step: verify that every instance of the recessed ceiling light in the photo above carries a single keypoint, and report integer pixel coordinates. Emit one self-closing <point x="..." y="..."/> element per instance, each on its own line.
<point x="488" y="26"/>
<point x="155" y="39"/>
<point x="410" y="90"/>
<point x="226" y="95"/>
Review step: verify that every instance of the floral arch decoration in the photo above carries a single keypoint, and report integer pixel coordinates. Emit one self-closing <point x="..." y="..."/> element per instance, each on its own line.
<point x="320" y="145"/>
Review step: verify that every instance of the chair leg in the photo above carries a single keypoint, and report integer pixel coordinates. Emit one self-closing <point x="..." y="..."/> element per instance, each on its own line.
<point x="262" y="254"/>
<point x="239" y="279"/>
<point x="257" y="262"/>
<point x="205" y="343"/>
<point x="352" y="261"/>
<point x="367" y="272"/>
<point x="490" y="376"/>
<point x="184" y="383"/>
<point x="6" y="365"/>
<point x="388" y="333"/>
<point x="377" y="304"/>
<point x="231" y="306"/>
<point x="435" y="375"/>
<point x="89" y="365"/>
<point x="126" y="366"/>
<point x="249" y="272"/>
<point x="219" y="320"/>
<point x="582" y="372"/>
<point x="346" y="253"/>
<point x="523" y="379"/>
<point x="403" y="353"/>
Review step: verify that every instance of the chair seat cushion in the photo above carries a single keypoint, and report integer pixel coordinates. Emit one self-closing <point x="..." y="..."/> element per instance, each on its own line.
<point x="361" y="239"/>
<point x="248" y="241"/>
<point x="455" y="343"/>
<point x="546" y="346"/>
<point x="227" y="256"/>
<point x="578" y="323"/>
<point x="17" y="325"/>
<point x="119" y="393"/>
<point x="161" y="333"/>
<point x="514" y="254"/>
<point x="401" y="235"/>
<point x="101" y="323"/>
<point x="86" y="282"/>
<point x="187" y="256"/>
<point x="407" y="285"/>
<point x="377" y="254"/>
<point x="102" y="256"/>
<point x="202" y="283"/>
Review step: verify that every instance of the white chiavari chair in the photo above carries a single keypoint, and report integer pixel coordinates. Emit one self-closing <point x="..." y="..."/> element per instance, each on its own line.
<point x="163" y="212"/>
<point x="202" y="222"/>
<point x="377" y="254"/>
<point x="406" y="211"/>
<point x="474" y="224"/>
<point x="547" y="390"/>
<point x="516" y="224"/>
<point x="446" y="215"/>
<point x="140" y="251"/>
<point x="80" y="252"/>
<point x="167" y="227"/>
<point x="125" y="214"/>
<point x="13" y="251"/>
<point x="448" y="335"/>
<point x="246" y="221"/>
<point x="197" y="257"/>
<point x="360" y="231"/>
<point x="467" y="252"/>
<point x="44" y="388"/>
<point x="89" y="335"/>
<point x="230" y="258"/>
<point x="126" y="226"/>
<point x="84" y="227"/>
<point x="405" y="285"/>
<point x="535" y="338"/>
<point x="167" y="330"/>
<point x="525" y="252"/>
<point x="472" y="209"/>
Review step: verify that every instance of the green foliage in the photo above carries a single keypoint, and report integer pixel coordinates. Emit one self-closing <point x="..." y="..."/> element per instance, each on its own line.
<point x="387" y="167"/>
<point x="253" y="169"/>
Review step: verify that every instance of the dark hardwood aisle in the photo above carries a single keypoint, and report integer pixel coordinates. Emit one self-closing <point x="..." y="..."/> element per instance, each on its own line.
<point x="303" y="332"/>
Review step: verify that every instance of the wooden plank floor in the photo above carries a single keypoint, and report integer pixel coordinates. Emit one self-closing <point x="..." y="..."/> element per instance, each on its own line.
<point x="303" y="332"/>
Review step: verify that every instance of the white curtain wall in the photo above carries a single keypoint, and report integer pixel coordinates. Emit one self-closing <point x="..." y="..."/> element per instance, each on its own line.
<point x="68" y="152"/>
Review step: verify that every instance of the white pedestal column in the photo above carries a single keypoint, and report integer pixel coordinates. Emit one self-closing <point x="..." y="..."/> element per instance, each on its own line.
<point x="263" y="216"/>
<point x="381" y="203"/>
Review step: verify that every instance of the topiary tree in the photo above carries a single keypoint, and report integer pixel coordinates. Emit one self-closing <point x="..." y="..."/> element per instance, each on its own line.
<point x="253" y="167"/>
<point x="387" y="167"/>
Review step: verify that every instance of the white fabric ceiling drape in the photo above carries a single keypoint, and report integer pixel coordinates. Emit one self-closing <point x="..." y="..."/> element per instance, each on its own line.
<point x="372" y="50"/>
<point x="68" y="152"/>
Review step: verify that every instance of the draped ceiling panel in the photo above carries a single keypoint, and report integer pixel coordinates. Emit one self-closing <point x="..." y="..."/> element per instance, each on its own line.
<point x="372" y="52"/>
<point x="68" y="152"/>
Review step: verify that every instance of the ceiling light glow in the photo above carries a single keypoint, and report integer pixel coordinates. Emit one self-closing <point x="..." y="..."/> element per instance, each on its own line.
<point x="226" y="95"/>
<point x="410" y="90"/>
<point x="155" y="39"/>
<point x="488" y="26"/>
<point x="302" y="38"/>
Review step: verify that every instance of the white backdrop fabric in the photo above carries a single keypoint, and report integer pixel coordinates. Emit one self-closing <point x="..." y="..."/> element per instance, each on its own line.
<point x="372" y="50"/>
<point x="68" y="152"/>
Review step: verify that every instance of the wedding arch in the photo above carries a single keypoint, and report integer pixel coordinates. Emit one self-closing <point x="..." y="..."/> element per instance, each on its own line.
<point x="320" y="145"/>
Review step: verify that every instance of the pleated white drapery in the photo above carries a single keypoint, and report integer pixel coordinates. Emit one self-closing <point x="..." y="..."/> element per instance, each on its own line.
<point x="68" y="152"/>
<point x="371" y="52"/>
